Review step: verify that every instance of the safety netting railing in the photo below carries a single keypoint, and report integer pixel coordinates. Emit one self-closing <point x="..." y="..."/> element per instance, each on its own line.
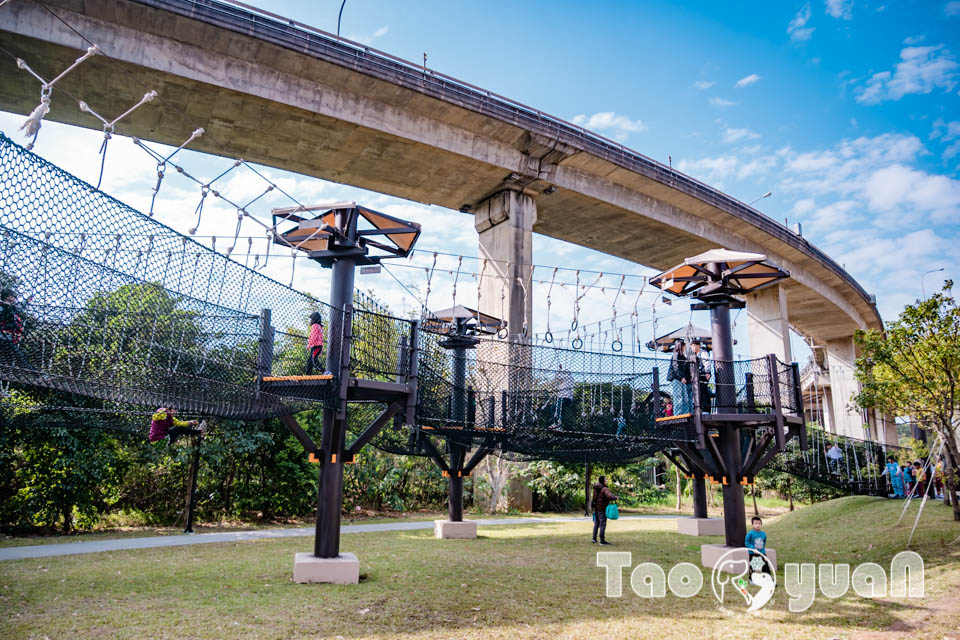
<point x="851" y="464"/>
<point x="381" y="344"/>
<point x="746" y="386"/>
<point x="108" y="303"/>
<point x="542" y="401"/>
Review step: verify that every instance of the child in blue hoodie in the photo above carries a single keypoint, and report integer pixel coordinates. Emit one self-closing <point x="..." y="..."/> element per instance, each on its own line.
<point x="756" y="540"/>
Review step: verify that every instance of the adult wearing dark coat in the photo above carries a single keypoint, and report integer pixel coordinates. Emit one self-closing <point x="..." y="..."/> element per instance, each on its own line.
<point x="602" y="496"/>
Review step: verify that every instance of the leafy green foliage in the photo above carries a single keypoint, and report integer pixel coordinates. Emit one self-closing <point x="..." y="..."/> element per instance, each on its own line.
<point x="913" y="369"/>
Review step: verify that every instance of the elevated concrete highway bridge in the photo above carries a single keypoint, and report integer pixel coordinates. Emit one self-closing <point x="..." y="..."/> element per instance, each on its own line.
<point x="284" y="95"/>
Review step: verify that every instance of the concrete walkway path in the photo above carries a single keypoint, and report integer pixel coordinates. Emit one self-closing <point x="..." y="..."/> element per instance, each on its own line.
<point x="119" y="544"/>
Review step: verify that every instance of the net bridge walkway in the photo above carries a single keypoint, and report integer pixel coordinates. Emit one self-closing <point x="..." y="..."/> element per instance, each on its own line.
<point x="850" y="464"/>
<point x="114" y="306"/>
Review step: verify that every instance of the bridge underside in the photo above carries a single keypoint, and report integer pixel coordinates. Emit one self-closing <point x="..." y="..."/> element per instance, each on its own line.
<point x="261" y="101"/>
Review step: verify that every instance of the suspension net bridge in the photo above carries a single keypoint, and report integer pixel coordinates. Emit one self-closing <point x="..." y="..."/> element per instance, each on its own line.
<point x="121" y="309"/>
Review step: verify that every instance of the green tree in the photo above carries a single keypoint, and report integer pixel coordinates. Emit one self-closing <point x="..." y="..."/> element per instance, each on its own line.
<point x="57" y="470"/>
<point x="913" y="369"/>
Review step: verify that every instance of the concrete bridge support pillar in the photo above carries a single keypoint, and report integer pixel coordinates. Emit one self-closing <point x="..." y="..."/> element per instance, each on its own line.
<point x="504" y="223"/>
<point x="767" y="324"/>
<point x="847" y="419"/>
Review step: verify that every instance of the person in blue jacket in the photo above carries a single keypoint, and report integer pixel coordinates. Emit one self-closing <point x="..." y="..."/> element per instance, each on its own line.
<point x="892" y="469"/>
<point x="756" y="540"/>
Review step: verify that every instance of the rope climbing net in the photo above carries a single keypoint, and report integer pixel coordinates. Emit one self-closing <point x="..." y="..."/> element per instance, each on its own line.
<point x="125" y="309"/>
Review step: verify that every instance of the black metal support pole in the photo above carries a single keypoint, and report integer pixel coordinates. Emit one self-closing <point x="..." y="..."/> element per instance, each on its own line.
<point x="455" y="501"/>
<point x="459" y="417"/>
<point x="734" y="523"/>
<point x="723" y="358"/>
<point x="657" y="411"/>
<point x="330" y="489"/>
<point x="192" y="501"/>
<point x="699" y="496"/>
<point x="265" y="347"/>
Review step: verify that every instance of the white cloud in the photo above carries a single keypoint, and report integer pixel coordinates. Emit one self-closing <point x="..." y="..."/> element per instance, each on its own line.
<point x="703" y="84"/>
<point x="710" y="169"/>
<point x="368" y="38"/>
<point x="897" y="186"/>
<point x="947" y="130"/>
<point x="757" y="165"/>
<point x="840" y="9"/>
<point x="798" y="29"/>
<point x="734" y="135"/>
<point x="802" y="206"/>
<point x="746" y="81"/>
<point x="619" y="124"/>
<point x="911" y="40"/>
<point x="812" y="161"/>
<point x="831" y="216"/>
<point x="952" y="8"/>
<point x="865" y="201"/>
<point x="920" y="70"/>
<point x="721" y="102"/>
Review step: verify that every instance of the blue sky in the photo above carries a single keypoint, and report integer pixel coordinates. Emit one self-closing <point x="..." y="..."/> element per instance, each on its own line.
<point x="847" y="111"/>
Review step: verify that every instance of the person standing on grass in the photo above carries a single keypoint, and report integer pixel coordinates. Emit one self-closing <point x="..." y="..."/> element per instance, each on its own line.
<point x="756" y="542"/>
<point x="893" y="471"/>
<point x="938" y="478"/>
<point x="314" y="343"/>
<point x="908" y="478"/>
<point x="602" y="496"/>
<point x="921" y="475"/>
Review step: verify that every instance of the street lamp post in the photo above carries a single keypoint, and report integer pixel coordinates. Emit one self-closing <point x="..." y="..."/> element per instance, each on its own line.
<point x="766" y="195"/>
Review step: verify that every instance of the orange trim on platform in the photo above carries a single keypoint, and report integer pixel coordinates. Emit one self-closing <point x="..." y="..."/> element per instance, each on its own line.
<point x="314" y="459"/>
<point x="445" y="474"/>
<point x="333" y="458"/>
<point x="676" y="417"/>
<point x="297" y="378"/>
<point x="725" y="480"/>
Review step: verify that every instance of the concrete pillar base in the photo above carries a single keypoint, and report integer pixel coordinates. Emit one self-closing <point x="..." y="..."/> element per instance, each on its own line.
<point x="446" y="529"/>
<point x="700" y="526"/>
<point x="733" y="559"/>
<point x="344" y="569"/>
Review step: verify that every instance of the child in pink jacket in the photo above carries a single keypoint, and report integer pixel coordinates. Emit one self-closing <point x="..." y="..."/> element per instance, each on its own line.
<point x="314" y="343"/>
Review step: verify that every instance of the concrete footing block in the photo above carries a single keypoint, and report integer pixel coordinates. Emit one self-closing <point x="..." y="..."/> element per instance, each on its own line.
<point x="733" y="559"/>
<point x="700" y="526"/>
<point x="344" y="569"/>
<point x="446" y="529"/>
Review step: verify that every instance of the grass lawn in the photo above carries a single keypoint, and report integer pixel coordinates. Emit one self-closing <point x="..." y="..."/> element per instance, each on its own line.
<point x="523" y="581"/>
